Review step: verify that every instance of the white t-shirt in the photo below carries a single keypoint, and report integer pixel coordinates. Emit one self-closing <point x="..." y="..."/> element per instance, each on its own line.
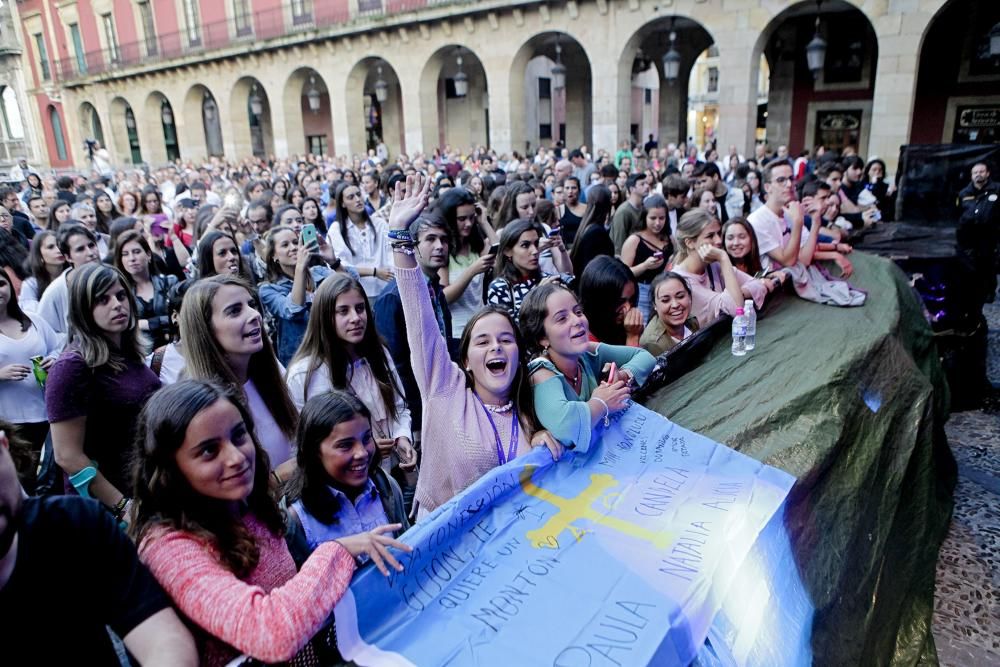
<point x="278" y="447"/>
<point x="23" y="401"/>
<point x="362" y="384"/>
<point x="172" y="365"/>
<point x="772" y="233"/>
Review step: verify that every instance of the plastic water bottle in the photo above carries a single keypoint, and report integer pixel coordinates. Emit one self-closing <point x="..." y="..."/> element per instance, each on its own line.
<point x="751" y="313"/>
<point x="739" y="334"/>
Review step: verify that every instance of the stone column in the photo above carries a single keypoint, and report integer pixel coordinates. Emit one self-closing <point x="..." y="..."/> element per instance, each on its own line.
<point x="739" y="62"/>
<point x="899" y="36"/>
<point x="506" y="106"/>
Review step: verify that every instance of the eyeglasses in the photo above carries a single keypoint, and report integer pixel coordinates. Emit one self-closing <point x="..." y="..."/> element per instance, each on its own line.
<point x="781" y="180"/>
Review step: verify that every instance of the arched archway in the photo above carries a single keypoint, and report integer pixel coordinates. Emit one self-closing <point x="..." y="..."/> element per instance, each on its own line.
<point x="375" y="107"/>
<point x="124" y="131"/>
<point x="831" y="106"/>
<point x="454" y="99"/>
<point x="958" y="89"/>
<point x="13" y="122"/>
<point x="250" y="118"/>
<point x="160" y="125"/>
<point x="668" y="74"/>
<point x="90" y="123"/>
<point x="551" y="92"/>
<point x="308" y="116"/>
<point x="203" y="138"/>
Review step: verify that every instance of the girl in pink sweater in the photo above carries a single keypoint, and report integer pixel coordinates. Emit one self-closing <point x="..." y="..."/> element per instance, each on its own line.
<point x="211" y="534"/>
<point x="478" y="413"/>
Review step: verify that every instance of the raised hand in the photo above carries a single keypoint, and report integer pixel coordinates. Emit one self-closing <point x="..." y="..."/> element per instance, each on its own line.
<point x="409" y="202"/>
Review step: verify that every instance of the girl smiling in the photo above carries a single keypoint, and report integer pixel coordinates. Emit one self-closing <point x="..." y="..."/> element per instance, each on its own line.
<point x="211" y="534"/>
<point x="568" y="397"/>
<point x="671" y="320"/>
<point x="339" y="489"/>
<point x="341" y="349"/>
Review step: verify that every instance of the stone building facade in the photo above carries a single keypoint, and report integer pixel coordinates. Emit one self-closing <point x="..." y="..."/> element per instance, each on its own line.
<point x="157" y="80"/>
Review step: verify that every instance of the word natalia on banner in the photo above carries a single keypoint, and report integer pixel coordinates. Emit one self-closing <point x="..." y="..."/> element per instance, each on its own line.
<point x="620" y="556"/>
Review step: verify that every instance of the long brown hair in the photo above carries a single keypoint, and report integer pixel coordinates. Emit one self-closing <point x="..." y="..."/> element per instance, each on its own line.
<point x="320" y="345"/>
<point x="206" y="360"/>
<point x="129" y="237"/>
<point x="86" y="285"/>
<point x="36" y="265"/>
<point x="163" y="496"/>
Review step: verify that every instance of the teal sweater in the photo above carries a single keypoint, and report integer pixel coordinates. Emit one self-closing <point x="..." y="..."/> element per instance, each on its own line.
<point x="565" y="414"/>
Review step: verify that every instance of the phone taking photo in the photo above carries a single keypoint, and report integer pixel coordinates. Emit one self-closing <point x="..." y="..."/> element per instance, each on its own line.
<point x="494" y="249"/>
<point x="555" y="231"/>
<point x="309" y="237"/>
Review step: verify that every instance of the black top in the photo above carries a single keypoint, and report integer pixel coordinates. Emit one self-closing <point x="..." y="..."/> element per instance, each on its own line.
<point x="644" y="251"/>
<point x="76" y="572"/>
<point x="569" y="223"/>
<point x="391" y="326"/>
<point x="594" y="241"/>
<point x="156" y="311"/>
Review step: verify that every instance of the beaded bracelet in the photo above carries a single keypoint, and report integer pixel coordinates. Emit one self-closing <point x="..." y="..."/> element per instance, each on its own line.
<point x="400" y="235"/>
<point x="607" y="411"/>
<point x="403" y="249"/>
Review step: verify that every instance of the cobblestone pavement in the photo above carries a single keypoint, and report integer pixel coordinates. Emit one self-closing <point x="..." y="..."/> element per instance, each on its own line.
<point x="967" y="597"/>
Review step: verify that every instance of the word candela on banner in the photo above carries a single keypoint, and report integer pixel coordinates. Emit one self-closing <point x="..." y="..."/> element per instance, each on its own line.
<point x="624" y="555"/>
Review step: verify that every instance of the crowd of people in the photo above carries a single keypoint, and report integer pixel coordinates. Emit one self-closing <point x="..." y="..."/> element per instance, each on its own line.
<point x="223" y="387"/>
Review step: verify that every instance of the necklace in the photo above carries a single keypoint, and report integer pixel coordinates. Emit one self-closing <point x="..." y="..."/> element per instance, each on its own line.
<point x="499" y="409"/>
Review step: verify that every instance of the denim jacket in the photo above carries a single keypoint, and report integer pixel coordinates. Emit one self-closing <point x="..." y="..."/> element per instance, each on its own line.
<point x="290" y="319"/>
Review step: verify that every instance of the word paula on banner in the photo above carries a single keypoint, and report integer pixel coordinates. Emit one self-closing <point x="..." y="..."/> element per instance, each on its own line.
<point x="620" y="556"/>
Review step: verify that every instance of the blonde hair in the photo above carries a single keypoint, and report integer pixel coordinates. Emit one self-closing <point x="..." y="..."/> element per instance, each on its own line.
<point x="690" y="226"/>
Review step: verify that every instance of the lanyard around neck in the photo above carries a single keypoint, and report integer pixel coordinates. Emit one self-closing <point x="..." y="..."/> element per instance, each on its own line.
<point x="512" y="449"/>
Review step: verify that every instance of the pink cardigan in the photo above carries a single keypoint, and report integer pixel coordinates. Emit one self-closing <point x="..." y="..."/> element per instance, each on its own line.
<point x="707" y="304"/>
<point x="270" y="615"/>
<point x="457" y="444"/>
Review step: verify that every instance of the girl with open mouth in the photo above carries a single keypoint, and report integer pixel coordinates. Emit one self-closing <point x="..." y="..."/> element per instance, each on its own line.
<point x="478" y="413"/>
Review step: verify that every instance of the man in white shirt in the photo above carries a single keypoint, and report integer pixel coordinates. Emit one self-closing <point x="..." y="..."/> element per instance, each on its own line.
<point x="778" y="224"/>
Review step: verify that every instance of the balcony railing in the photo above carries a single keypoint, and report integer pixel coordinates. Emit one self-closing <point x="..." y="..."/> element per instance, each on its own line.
<point x="268" y="24"/>
<point x="12" y="149"/>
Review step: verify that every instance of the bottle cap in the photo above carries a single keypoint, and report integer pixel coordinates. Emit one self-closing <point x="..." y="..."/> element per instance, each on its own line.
<point x="739" y="311"/>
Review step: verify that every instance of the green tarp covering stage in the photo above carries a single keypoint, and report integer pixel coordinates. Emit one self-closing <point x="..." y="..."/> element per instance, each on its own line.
<point x="852" y="401"/>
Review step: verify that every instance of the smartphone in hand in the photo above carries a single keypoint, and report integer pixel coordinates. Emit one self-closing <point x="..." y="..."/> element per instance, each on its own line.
<point x="612" y="373"/>
<point x="494" y="249"/>
<point x="309" y="237"/>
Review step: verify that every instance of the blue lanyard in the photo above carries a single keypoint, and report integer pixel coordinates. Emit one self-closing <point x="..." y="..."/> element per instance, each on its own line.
<point x="512" y="450"/>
